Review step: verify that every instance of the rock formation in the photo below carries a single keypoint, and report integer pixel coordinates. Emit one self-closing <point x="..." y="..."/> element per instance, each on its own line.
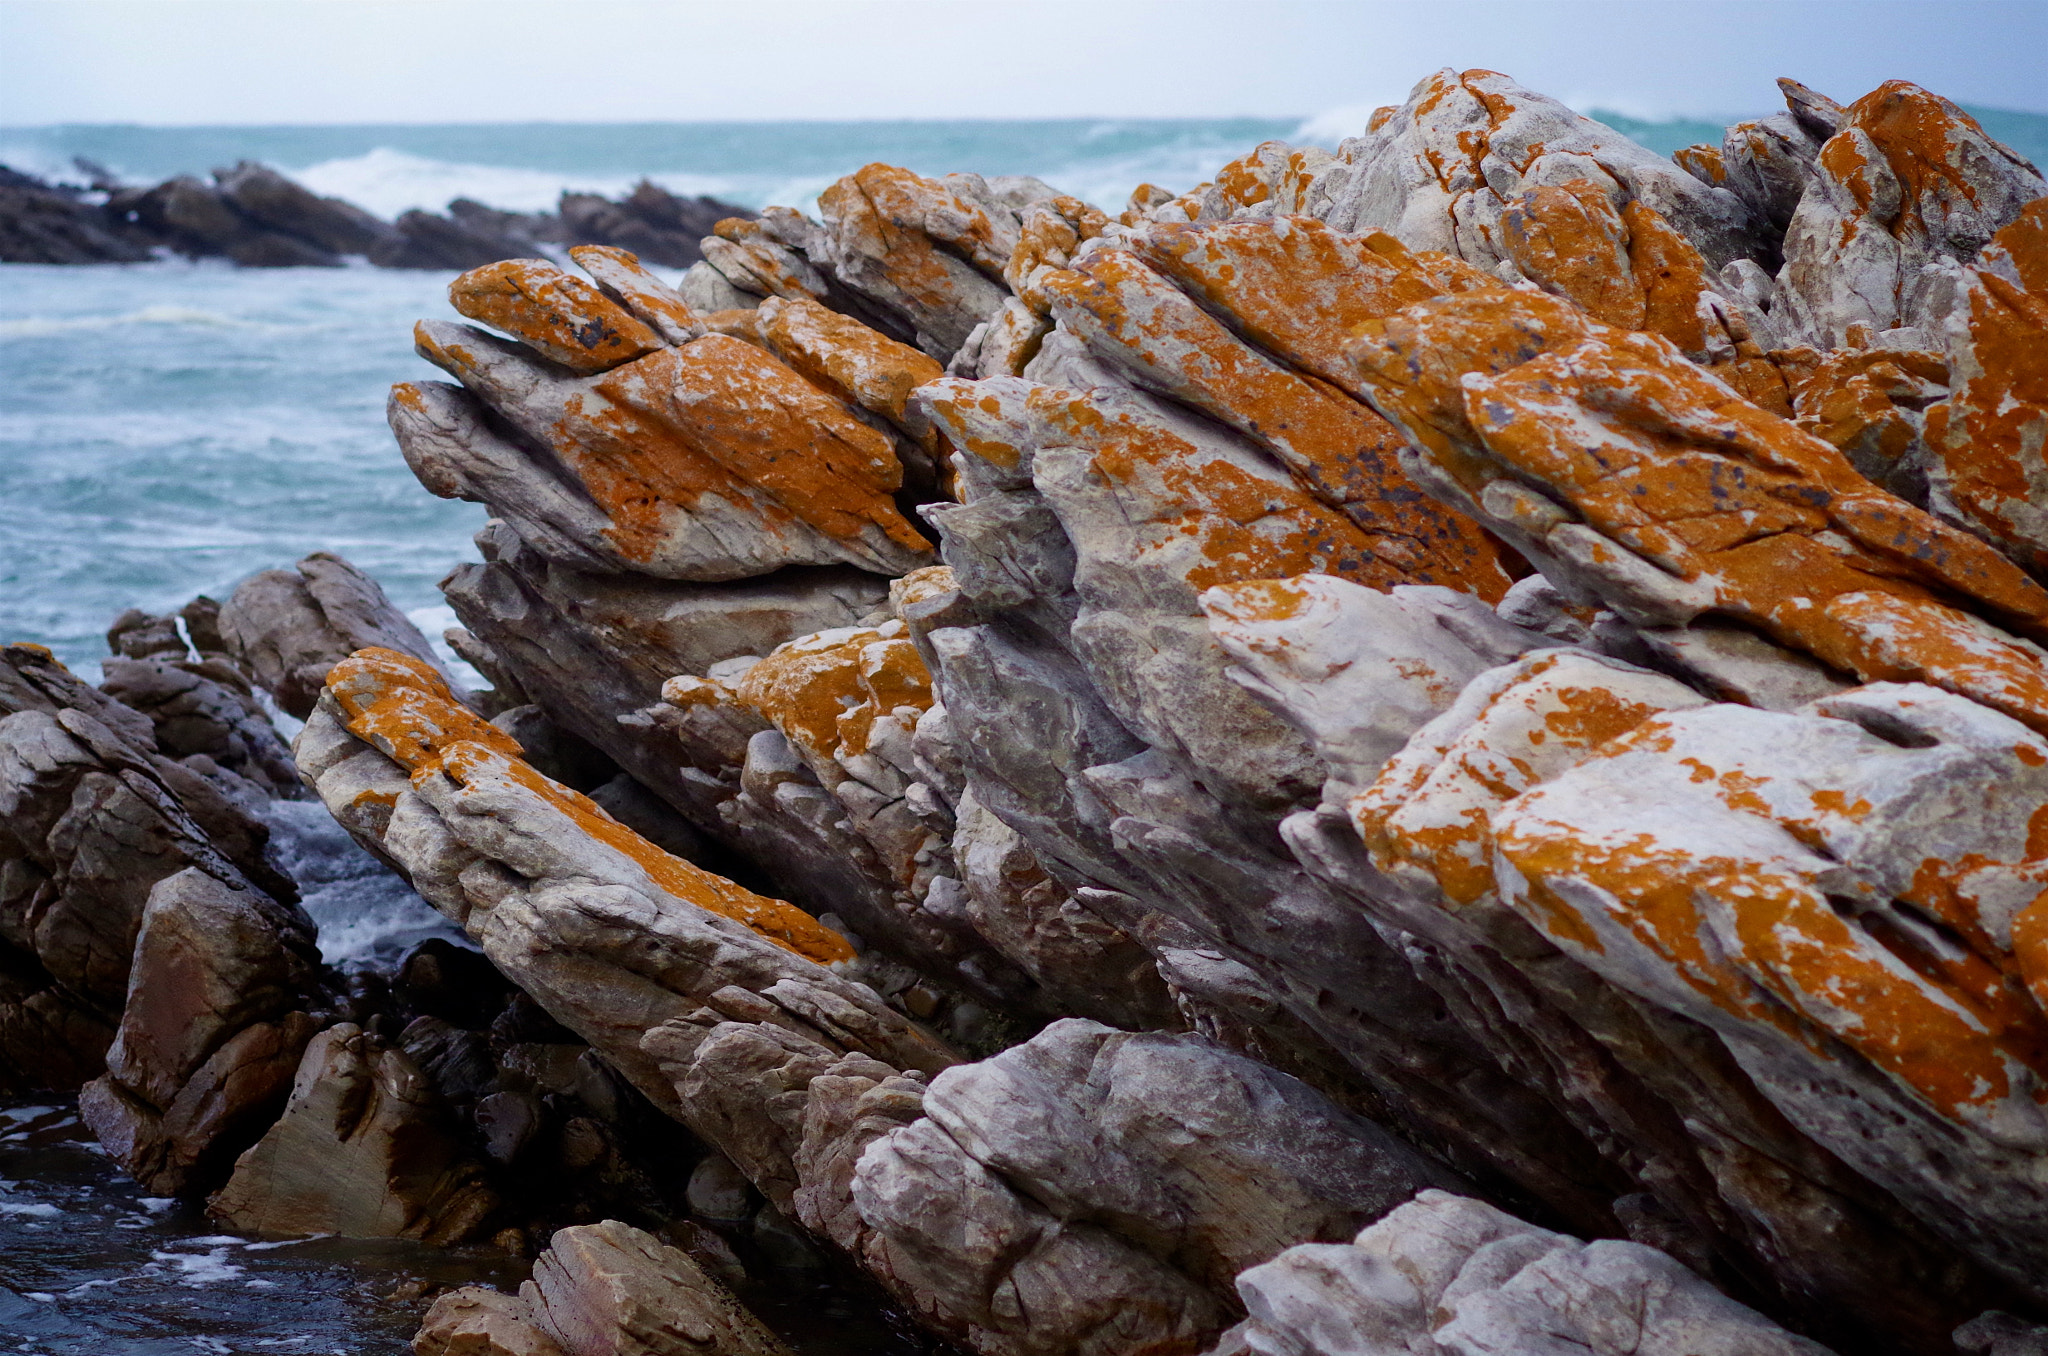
<point x="1436" y="748"/>
<point x="255" y="217"/>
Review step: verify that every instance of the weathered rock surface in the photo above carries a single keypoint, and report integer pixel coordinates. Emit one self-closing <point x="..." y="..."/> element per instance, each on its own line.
<point x="1449" y="1276"/>
<point x="364" y="1149"/>
<point x="92" y="817"/>
<point x="1513" y="662"/>
<point x="286" y="629"/>
<point x="211" y="1034"/>
<point x="600" y="1290"/>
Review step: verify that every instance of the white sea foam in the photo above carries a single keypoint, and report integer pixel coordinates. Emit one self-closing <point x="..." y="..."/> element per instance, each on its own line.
<point x="30" y="1209"/>
<point x="1332" y="126"/>
<point x="40" y="327"/>
<point x="211" y="1267"/>
<point x="364" y="912"/>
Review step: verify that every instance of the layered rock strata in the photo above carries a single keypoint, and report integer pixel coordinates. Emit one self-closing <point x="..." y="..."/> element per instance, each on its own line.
<point x="1488" y="664"/>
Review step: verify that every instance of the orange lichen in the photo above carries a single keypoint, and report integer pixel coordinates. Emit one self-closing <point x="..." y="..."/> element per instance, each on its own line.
<point x="1991" y="436"/>
<point x="1299" y="289"/>
<point x="718" y="417"/>
<point x="1948" y="1024"/>
<point x="1771" y="522"/>
<point x="1338" y="450"/>
<point x="621" y="276"/>
<point x="1863" y="401"/>
<point x="859" y="365"/>
<point x="825" y="692"/>
<point x="557" y="314"/>
<point x="402" y="708"/>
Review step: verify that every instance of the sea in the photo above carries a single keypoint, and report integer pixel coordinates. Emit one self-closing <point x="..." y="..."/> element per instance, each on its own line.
<point x="168" y="428"/>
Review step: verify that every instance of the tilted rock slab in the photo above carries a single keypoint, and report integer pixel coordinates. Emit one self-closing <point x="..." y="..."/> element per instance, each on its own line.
<point x="1448" y="1276"/>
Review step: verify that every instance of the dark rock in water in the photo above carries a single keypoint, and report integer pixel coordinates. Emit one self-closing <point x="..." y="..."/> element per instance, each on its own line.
<point x="428" y="240"/>
<point x="92" y="816"/>
<point x="650" y="221"/>
<point x="365" y="1149"/>
<point x="274" y="202"/>
<point x="286" y="629"/>
<point x="210" y="1037"/>
<point x="440" y="979"/>
<point x="44" y="224"/>
<point x="206" y="708"/>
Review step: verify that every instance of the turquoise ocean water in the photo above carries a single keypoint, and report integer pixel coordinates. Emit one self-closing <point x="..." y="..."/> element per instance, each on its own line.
<point x="167" y="428"/>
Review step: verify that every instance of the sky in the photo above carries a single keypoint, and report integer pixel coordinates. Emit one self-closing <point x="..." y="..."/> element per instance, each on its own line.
<point x="187" y="62"/>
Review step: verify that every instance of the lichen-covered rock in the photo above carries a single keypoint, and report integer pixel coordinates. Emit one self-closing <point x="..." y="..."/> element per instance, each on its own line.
<point x="1907" y="190"/>
<point x="556" y="314"/>
<point x="1449" y="1276"/>
<point x="706" y="461"/>
<point x="286" y="629"/>
<point x="1989" y="471"/>
<point x="1439" y="172"/>
<point x="1631" y="477"/>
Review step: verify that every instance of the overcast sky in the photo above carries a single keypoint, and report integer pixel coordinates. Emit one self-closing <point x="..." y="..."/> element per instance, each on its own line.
<point x="284" y="61"/>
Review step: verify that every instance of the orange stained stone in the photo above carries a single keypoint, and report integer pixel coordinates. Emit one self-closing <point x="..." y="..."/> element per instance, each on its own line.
<point x="754" y="261"/>
<point x="1297" y="288"/>
<point x="1048" y="236"/>
<point x="1338" y="450"/>
<point x="402" y="708"/>
<point x="1952" y="1028"/>
<point x="981" y="418"/>
<point x="1241" y="524"/>
<point x="620" y="275"/>
<point x="719" y="417"/>
<point x="1702" y="162"/>
<point x="1918" y="133"/>
<point x="1657" y="456"/>
<point x="1432" y="806"/>
<point x="557" y="314"/>
<point x="1991" y="435"/>
<point x="824" y="692"/>
<point x="859" y="365"/>
<point x="877" y="216"/>
<point x="1570" y="240"/>
<point x="1862" y="401"/>
<point x="2030" y="948"/>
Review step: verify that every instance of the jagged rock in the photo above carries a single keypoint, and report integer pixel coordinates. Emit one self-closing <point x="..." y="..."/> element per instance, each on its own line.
<point x="1907" y="190"/>
<point x="614" y="937"/>
<point x="205" y="709"/>
<point x="274" y="202"/>
<point x="1449" y="1276"/>
<point x="1988" y="470"/>
<point x="556" y="314"/>
<point x="707" y="461"/>
<point x="600" y="1290"/>
<point x="1548" y="424"/>
<point x="933" y="250"/>
<point x="364" y="1150"/>
<point x="91" y="818"/>
<point x="1440" y="171"/>
<point x="287" y="629"/>
<point x="1200" y="1163"/>
<point x="215" y="966"/>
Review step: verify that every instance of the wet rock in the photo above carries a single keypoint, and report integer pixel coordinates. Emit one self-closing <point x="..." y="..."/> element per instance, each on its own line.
<point x="276" y="203"/>
<point x="364" y="1150"/>
<point x="286" y="628"/>
<point x="718" y="1191"/>
<point x="205" y="709"/>
<point x="91" y="818"/>
<point x="42" y="223"/>
<point x="473" y="1321"/>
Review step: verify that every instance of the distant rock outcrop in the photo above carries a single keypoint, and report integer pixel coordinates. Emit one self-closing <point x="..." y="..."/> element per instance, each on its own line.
<point x="256" y="217"/>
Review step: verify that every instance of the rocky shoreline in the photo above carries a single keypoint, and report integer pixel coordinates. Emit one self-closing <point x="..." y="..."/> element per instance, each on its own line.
<point x="1440" y="748"/>
<point x="255" y="217"/>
